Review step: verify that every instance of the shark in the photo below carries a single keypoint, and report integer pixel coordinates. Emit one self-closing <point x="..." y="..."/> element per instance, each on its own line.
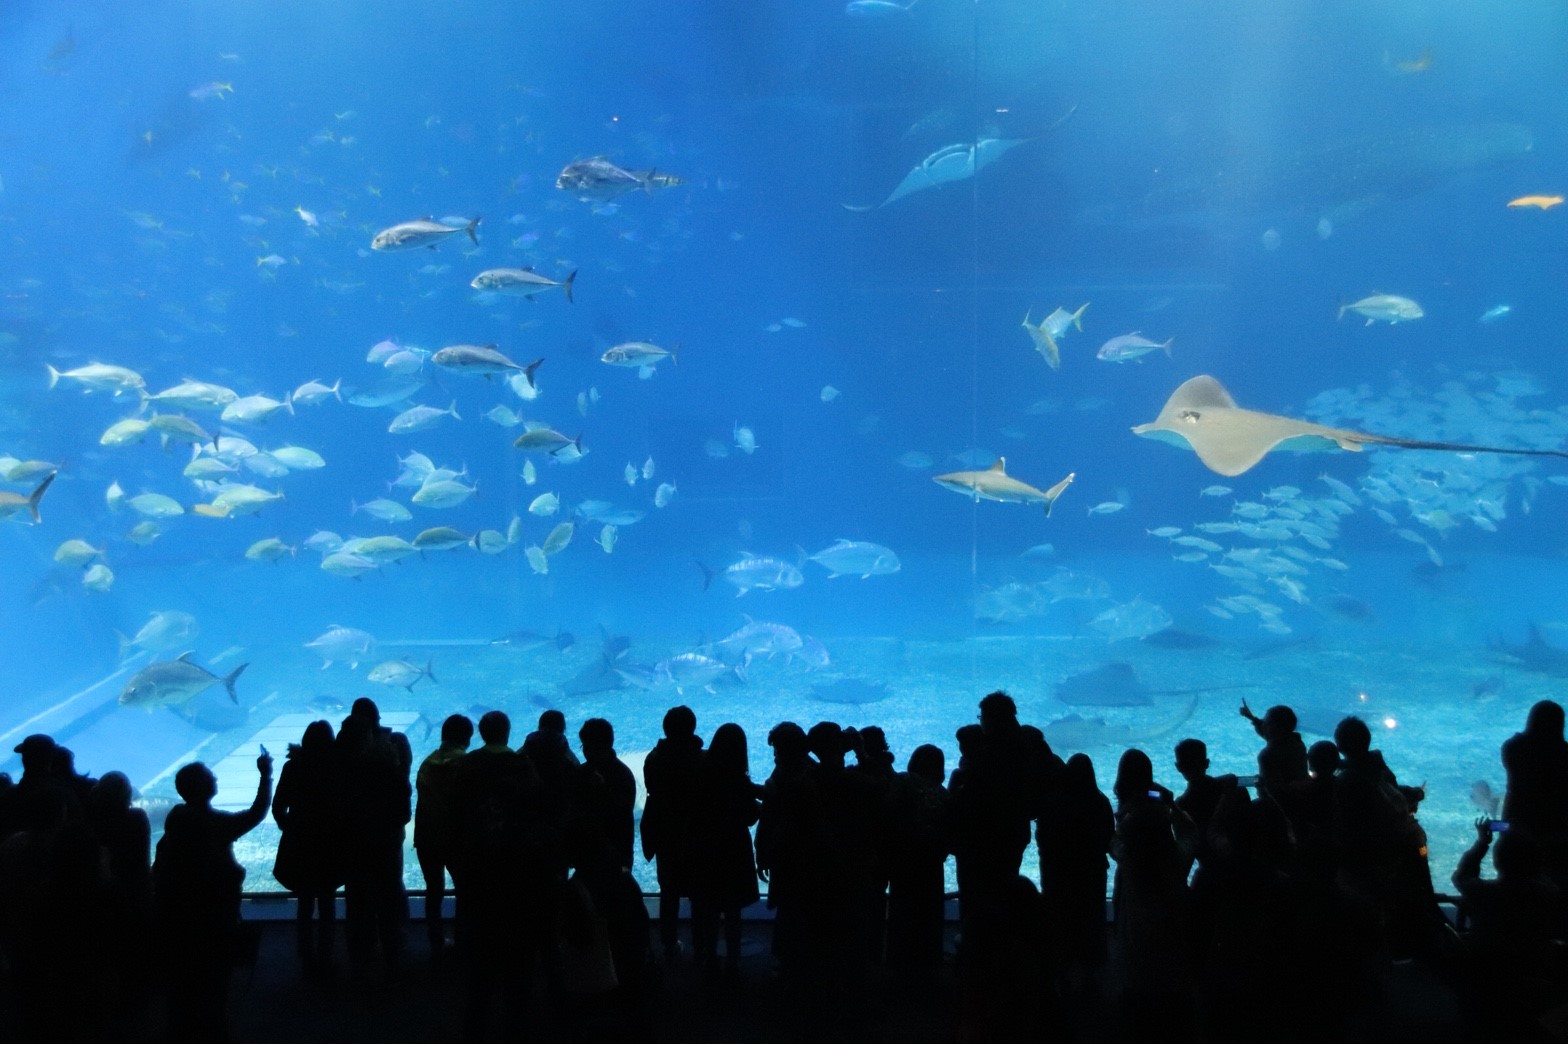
<point x="1201" y="415"/>
<point x="994" y="483"/>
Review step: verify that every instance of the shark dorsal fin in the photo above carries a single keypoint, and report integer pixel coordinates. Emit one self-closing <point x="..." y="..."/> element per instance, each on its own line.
<point x="1000" y="467"/>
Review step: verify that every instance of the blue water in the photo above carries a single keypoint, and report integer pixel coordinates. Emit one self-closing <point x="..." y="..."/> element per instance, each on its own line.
<point x="1224" y="176"/>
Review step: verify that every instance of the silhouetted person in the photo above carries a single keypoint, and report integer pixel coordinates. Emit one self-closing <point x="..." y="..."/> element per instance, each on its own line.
<point x="1283" y="759"/>
<point x="994" y="800"/>
<point x="54" y="911"/>
<point x="1075" y="830"/>
<point x="918" y="814"/>
<point x="1513" y="971"/>
<point x="1154" y="847"/>
<point x="843" y="870"/>
<point x="40" y="771"/>
<point x="1199" y="801"/>
<point x="436" y="821"/>
<point x="600" y="845"/>
<point x="508" y="875"/>
<point x="1310" y="805"/>
<point x="1382" y="847"/>
<point x="124" y="841"/>
<point x="874" y="771"/>
<point x="725" y="805"/>
<point x="378" y="799"/>
<point x="1536" y="803"/>
<point x="308" y="808"/>
<point x="789" y="837"/>
<point x="552" y="756"/>
<point x="197" y="885"/>
<point x="670" y="777"/>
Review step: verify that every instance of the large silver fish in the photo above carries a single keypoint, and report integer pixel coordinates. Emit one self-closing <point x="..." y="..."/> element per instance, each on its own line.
<point x="520" y="282"/>
<point x="599" y="180"/>
<point x="12" y="504"/>
<point x="428" y="232"/>
<point x="174" y="683"/>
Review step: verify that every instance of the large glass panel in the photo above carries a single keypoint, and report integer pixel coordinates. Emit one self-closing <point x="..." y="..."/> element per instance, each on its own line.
<point x="812" y="232"/>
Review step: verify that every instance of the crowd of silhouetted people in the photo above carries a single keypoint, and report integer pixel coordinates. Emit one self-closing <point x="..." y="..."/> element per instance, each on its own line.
<point x="1268" y="907"/>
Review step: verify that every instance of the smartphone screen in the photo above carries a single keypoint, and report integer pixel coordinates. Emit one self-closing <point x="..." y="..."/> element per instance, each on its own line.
<point x="1497" y="826"/>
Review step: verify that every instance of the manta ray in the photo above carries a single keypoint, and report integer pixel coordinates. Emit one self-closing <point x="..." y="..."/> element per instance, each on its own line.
<point x="1201" y="416"/>
<point x="953" y="163"/>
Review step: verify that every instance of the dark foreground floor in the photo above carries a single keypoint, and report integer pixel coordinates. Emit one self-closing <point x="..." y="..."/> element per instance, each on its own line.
<point x="272" y="1004"/>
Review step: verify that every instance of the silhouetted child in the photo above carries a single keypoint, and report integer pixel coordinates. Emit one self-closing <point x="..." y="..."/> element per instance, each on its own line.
<point x="1283" y="759"/>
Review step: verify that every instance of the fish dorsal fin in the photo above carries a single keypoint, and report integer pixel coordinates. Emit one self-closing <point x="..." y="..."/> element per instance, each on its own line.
<point x="999" y="467"/>
<point x="185" y="657"/>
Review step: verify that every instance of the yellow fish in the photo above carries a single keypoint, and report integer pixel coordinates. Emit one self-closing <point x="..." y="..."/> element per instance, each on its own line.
<point x="1543" y="202"/>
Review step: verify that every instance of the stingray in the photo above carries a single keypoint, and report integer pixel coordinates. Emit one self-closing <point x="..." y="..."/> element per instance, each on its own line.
<point x="1230" y="440"/>
<point x="1074" y="733"/>
<point x="1117" y="685"/>
<point x="850" y="690"/>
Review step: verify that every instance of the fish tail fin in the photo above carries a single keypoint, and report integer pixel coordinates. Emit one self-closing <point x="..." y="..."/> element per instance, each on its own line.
<point x="430" y="671"/>
<point x="125" y="645"/>
<point x="1026" y="317"/>
<point x="707" y="575"/>
<point x="528" y="371"/>
<point x="336" y="392"/>
<point x="228" y="682"/>
<point x="288" y="404"/>
<point x="54" y="374"/>
<point x="452" y="409"/>
<point x="675" y="354"/>
<point x="1167" y="346"/>
<point x="1342" y="310"/>
<point x="38" y="495"/>
<point x="472" y="228"/>
<point x="566" y="285"/>
<point x="1078" y="317"/>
